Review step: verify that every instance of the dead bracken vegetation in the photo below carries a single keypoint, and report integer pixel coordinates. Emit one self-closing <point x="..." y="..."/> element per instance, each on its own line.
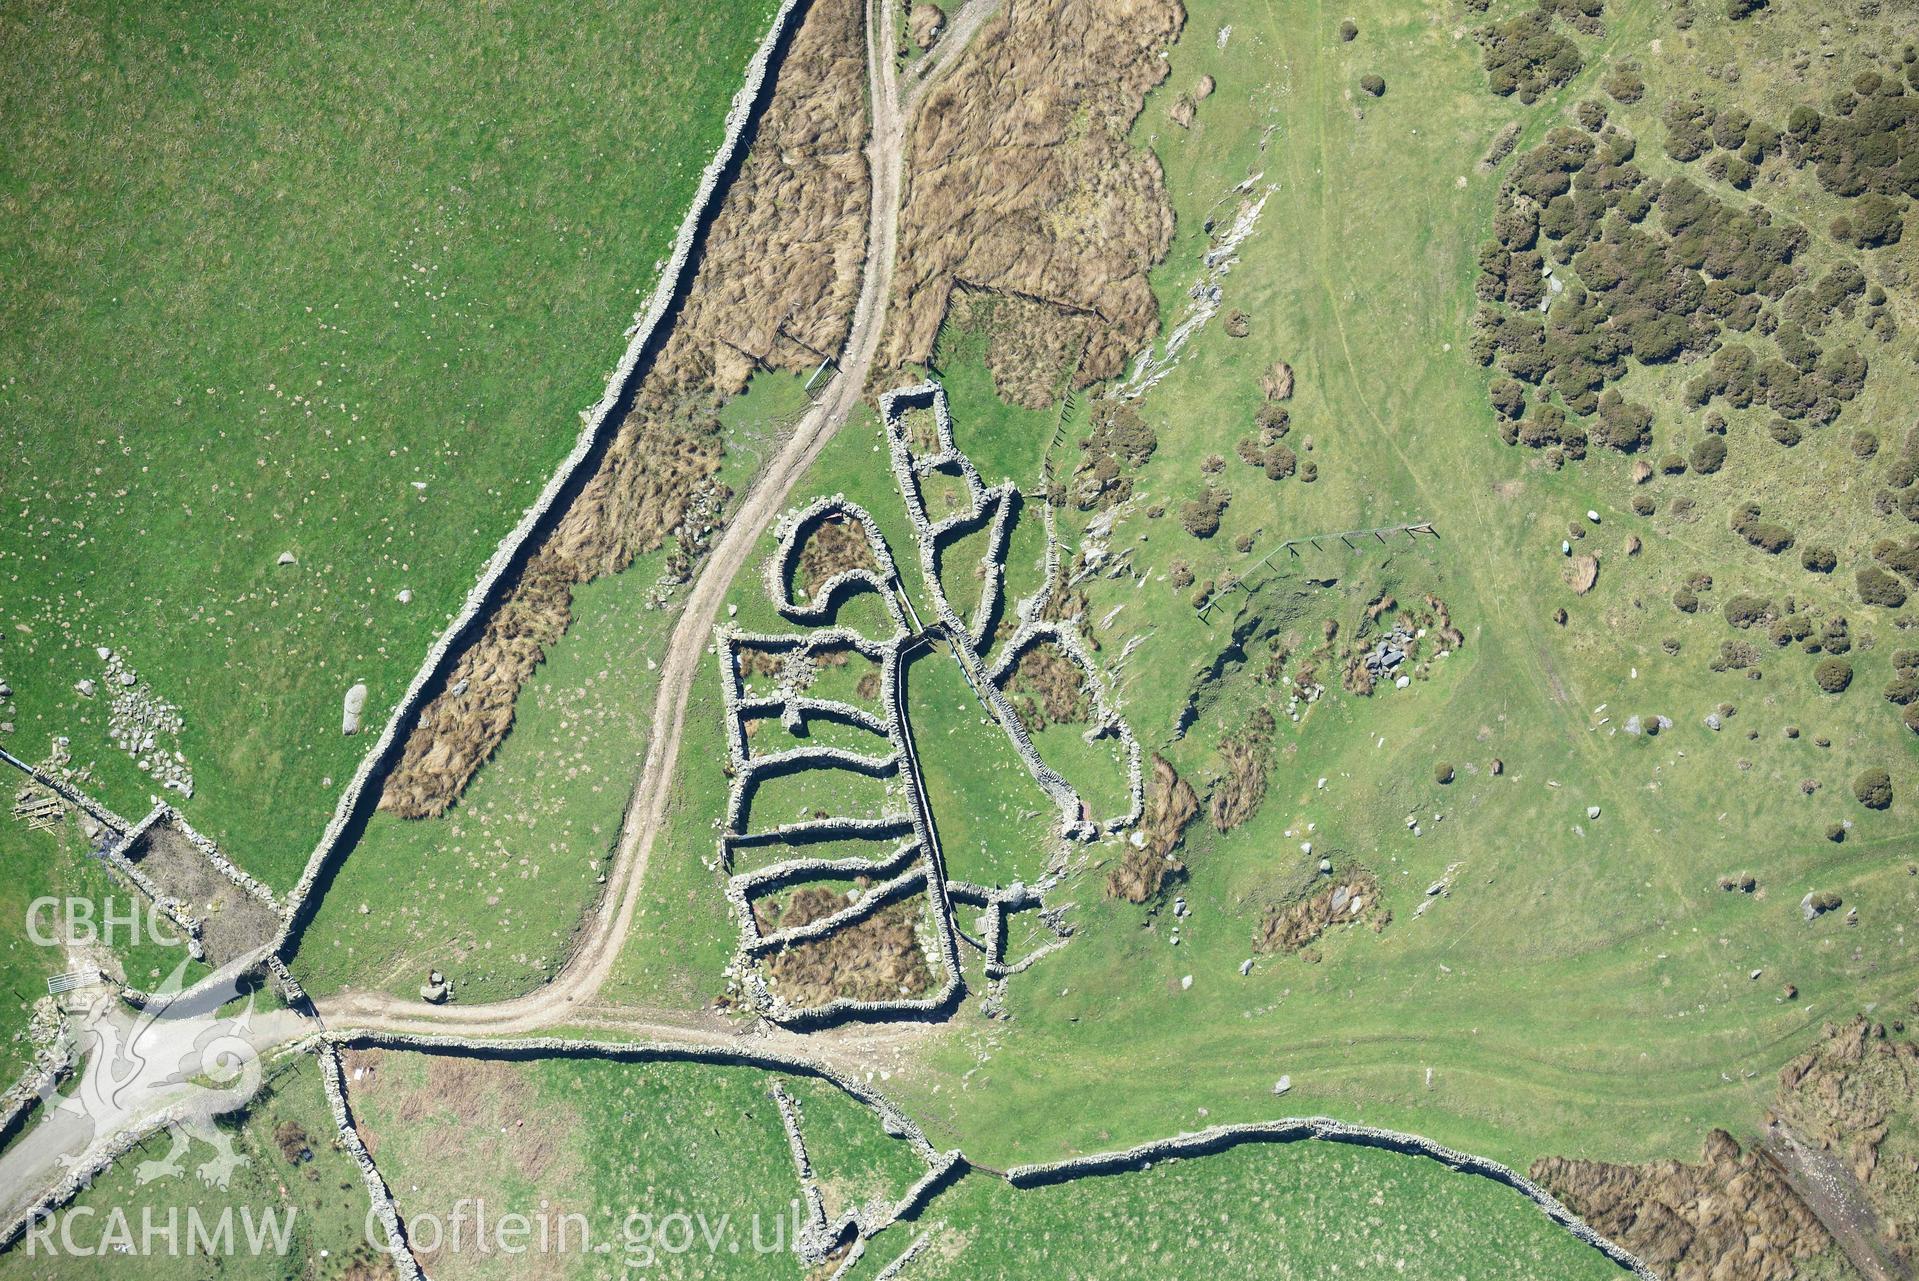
<point x="1245" y="759"/>
<point x="1170" y="806"/>
<point x="1731" y="1215"/>
<point x="1049" y="688"/>
<point x="775" y="287"/>
<point x="1845" y="1116"/>
<point x="232" y="921"/>
<point x="833" y="547"/>
<point x="878" y="958"/>
<point x="1024" y="182"/>
<point x="1032" y="347"/>
<point x="1299" y="925"/>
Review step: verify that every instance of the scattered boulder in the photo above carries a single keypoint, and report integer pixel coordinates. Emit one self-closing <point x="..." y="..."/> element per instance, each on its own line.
<point x="352" y="708"/>
<point x="1816" y="905"/>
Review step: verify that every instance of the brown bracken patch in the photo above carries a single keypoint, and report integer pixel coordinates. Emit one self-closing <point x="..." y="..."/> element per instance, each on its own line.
<point x="1731" y="1215"/>
<point x="878" y="958"/>
<point x="1049" y="688"/>
<point x="1025" y="181"/>
<point x="1170" y="806"/>
<point x="1244" y="758"/>
<point x="833" y="547"/>
<point x="1297" y="925"/>
<point x="1851" y="1102"/>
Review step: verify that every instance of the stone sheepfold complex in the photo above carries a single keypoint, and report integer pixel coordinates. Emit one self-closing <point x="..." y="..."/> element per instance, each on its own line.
<point x="915" y="866"/>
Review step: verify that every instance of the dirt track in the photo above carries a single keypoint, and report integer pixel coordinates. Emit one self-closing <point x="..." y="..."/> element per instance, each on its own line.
<point x="568" y="997"/>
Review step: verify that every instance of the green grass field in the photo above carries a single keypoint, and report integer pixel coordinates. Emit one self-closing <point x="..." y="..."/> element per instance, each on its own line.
<point x="1259" y="1213"/>
<point x="294" y="1171"/>
<point x="995" y="825"/>
<point x="636" y="1150"/>
<point x="278" y="282"/>
<point x="1584" y="987"/>
<point x="519" y="859"/>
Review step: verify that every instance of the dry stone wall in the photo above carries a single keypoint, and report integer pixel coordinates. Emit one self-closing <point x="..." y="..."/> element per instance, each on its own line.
<point x="597" y="421"/>
<point x="1221" y="1137"/>
<point x="397" y="1250"/>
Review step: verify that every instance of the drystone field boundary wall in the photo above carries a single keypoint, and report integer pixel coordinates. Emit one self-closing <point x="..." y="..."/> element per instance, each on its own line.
<point x="748" y="771"/>
<point x="1219" y="1138"/>
<point x="120" y="857"/>
<point x="907" y="469"/>
<point x="1106" y="717"/>
<point x="334" y="1075"/>
<point x="602" y="418"/>
<point x="67" y="792"/>
<point x="43" y="1077"/>
<point x="893" y="1121"/>
<point x="116" y="857"/>
<point x="908" y="882"/>
<point x="90" y="1164"/>
<point x="791" y="532"/>
<point x="819" y="831"/>
<point x="993" y="507"/>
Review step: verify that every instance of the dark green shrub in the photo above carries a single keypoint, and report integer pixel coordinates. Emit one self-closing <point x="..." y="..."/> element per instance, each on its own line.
<point x="1903" y="688"/>
<point x="1624" y="84"/>
<point x="1877" y="587"/>
<point x="1833" y="675"/>
<point x="1527" y="56"/>
<point x="1374" y="85"/>
<point x="1873" y="787"/>
<point x="1200" y="515"/>
<point x="1743" y="611"/>
<point x="1820" y="560"/>
<point x="1348" y="30"/>
<point x="1709" y="455"/>
<point x="1442" y="773"/>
